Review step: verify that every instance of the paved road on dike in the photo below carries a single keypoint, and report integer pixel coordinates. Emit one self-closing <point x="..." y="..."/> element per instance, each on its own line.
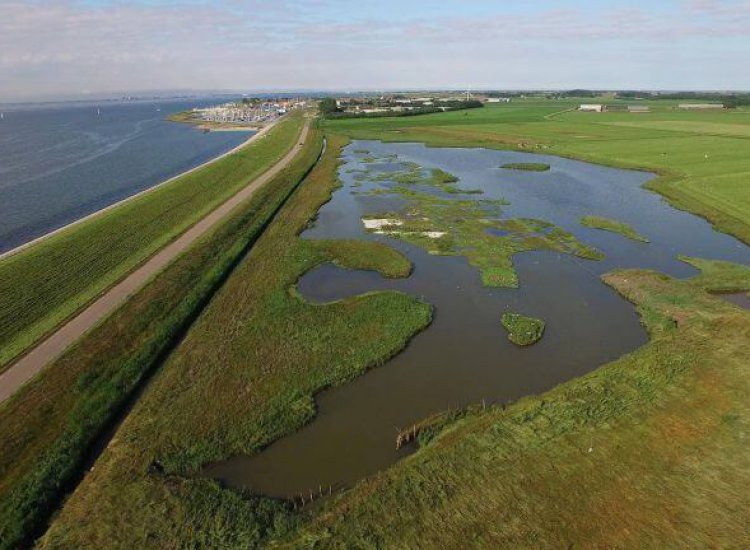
<point x="54" y="345"/>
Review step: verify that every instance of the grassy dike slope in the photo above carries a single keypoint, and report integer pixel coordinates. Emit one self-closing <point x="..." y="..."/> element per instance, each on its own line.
<point x="45" y="284"/>
<point x="649" y="451"/>
<point x="244" y="375"/>
<point x="702" y="158"/>
<point x="49" y="425"/>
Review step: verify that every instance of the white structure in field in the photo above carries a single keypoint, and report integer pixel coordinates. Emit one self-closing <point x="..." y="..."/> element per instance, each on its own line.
<point x="498" y="100"/>
<point x="701" y="106"/>
<point x="591" y="107"/>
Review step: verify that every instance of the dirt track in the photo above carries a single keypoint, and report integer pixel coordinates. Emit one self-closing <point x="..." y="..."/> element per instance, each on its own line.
<point x="51" y="347"/>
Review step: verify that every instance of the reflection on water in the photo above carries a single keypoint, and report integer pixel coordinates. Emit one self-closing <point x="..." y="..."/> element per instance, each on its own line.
<point x="741" y="299"/>
<point x="464" y="356"/>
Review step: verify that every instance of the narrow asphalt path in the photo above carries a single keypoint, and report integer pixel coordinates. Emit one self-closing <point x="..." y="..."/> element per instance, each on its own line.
<point x="54" y="345"/>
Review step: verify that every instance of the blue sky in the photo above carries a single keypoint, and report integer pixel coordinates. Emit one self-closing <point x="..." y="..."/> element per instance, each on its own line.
<point x="71" y="47"/>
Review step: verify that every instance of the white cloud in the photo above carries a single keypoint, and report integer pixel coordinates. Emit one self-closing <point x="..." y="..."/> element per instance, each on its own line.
<point x="67" y="46"/>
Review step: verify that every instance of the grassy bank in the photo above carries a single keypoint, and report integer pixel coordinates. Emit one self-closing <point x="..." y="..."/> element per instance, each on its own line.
<point x="45" y="284"/>
<point x="646" y="452"/>
<point x="49" y="426"/>
<point x="248" y="369"/>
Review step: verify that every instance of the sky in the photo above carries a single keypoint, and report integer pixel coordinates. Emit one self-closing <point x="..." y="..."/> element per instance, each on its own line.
<point x="54" y="48"/>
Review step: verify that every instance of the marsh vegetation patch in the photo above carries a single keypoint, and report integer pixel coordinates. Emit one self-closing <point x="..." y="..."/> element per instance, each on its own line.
<point x="606" y="224"/>
<point x="527" y="166"/>
<point x="523" y="330"/>
<point x="444" y="218"/>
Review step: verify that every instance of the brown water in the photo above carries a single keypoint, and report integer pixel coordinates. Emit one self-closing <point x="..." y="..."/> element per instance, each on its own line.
<point x="464" y="356"/>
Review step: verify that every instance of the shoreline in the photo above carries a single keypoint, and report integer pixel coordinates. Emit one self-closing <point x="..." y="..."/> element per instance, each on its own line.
<point x="259" y="133"/>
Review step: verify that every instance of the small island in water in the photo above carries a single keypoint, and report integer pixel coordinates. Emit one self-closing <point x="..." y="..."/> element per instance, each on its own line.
<point x="527" y="166"/>
<point x="523" y="330"/>
<point x="606" y="224"/>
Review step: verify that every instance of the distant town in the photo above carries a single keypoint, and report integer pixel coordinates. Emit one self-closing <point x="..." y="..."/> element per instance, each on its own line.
<point x="247" y="113"/>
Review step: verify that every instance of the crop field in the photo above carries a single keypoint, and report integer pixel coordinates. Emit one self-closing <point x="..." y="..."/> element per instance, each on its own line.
<point x="45" y="284"/>
<point x="646" y="451"/>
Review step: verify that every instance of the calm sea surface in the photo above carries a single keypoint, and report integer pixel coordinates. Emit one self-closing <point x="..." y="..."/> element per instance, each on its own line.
<point x="60" y="162"/>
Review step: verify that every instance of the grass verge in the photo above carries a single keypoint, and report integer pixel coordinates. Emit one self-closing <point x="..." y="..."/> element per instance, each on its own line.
<point x="42" y="286"/>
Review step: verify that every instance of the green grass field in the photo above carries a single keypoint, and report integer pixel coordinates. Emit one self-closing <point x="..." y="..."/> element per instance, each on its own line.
<point x="647" y="451"/>
<point x="45" y="284"/>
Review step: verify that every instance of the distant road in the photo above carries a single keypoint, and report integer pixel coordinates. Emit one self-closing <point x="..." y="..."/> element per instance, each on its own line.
<point x="54" y="345"/>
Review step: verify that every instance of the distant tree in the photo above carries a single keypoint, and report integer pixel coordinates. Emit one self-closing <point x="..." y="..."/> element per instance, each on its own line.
<point x="327" y="106"/>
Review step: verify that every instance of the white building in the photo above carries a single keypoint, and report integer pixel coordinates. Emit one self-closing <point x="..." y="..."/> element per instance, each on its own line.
<point x="591" y="107"/>
<point x="701" y="106"/>
<point x="498" y="100"/>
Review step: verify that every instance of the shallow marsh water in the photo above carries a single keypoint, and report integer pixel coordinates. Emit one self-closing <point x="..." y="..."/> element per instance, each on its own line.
<point x="464" y="356"/>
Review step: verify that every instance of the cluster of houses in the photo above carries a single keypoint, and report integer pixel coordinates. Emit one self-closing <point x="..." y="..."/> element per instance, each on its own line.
<point x="401" y="103"/>
<point x="246" y="111"/>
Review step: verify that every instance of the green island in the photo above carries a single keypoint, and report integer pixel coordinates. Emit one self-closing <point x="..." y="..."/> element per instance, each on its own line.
<point x="464" y="227"/>
<point x="527" y="166"/>
<point x="523" y="330"/>
<point x="606" y="224"/>
<point x="649" y="450"/>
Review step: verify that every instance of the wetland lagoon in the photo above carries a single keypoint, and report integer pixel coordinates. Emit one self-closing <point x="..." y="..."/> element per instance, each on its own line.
<point x="484" y="241"/>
